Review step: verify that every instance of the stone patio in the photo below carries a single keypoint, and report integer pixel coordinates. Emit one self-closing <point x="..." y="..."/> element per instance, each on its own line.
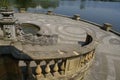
<point x="107" y="59"/>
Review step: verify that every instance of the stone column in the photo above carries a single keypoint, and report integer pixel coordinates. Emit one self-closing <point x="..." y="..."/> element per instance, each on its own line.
<point x="62" y="67"/>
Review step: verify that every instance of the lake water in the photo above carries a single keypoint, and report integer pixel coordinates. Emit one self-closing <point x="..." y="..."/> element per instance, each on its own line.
<point x="99" y="11"/>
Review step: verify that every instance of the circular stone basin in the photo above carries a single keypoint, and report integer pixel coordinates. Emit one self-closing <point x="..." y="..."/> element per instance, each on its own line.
<point x="30" y="28"/>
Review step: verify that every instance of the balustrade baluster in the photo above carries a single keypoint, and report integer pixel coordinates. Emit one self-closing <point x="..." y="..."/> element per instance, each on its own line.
<point x="86" y="57"/>
<point x="93" y="52"/>
<point x="89" y="56"/>
<point x="38" y="69"/>
<point x="55" y="68"/>
<point x="62" y="67"/>
<point x="47" y="70"/>
<point x="82" y="61"/>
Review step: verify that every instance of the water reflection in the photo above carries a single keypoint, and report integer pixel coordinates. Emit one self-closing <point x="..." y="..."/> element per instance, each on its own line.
<point x="107" y="0"/>
<point x="24" y="4"/>
<point x="82" y="4"/>
<point x="4" y="3"/>
<point x="49" y="3"/>
<point x="46" y="4"/>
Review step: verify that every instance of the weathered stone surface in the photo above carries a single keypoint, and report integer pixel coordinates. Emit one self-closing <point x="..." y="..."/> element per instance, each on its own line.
<point x="106" y="52"/>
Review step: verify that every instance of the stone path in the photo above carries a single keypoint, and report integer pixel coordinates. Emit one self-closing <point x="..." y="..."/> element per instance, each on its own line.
<point x="107" y="61"/>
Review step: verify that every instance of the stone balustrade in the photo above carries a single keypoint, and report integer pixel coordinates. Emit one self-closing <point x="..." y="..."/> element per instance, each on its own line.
<point x="58" y="68"/>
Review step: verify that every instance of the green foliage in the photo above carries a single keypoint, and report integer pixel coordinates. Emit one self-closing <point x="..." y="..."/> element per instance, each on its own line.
<point x="49" y="3"/>
<point x="33" y="3"/>
<point x="4" y="3"/>
<point x="24" y="3"/>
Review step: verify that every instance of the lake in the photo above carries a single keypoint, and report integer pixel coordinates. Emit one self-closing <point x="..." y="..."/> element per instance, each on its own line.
<point x="99" y="11"/>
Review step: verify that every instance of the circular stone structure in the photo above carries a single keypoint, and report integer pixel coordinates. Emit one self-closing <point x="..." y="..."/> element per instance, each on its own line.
<point x="63" y="49"/>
